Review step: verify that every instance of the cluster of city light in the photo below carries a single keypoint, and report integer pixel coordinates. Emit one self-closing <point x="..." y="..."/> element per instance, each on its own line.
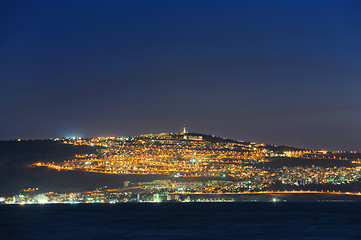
<point x="167" y="154"/>
<point x="157" y="191"/>
<point x="194" y="155"/>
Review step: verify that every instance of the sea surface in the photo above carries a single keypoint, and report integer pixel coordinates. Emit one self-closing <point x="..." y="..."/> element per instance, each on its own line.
<point x="320" y="220"/>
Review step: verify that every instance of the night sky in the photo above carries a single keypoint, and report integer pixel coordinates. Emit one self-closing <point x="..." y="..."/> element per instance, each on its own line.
<point x="279" y="72"/>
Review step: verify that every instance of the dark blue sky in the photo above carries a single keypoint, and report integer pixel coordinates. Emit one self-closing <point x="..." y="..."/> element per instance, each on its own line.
<point x="282" y="72"/>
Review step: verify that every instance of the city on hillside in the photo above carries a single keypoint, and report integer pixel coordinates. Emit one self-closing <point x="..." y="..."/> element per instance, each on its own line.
<point x="199" y="167"/>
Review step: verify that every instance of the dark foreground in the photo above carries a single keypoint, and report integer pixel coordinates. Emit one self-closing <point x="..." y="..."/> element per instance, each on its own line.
<point x="182" y="221"/>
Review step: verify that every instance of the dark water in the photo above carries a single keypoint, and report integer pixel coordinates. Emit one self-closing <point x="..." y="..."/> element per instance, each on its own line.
<point x="183" y="221"/>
